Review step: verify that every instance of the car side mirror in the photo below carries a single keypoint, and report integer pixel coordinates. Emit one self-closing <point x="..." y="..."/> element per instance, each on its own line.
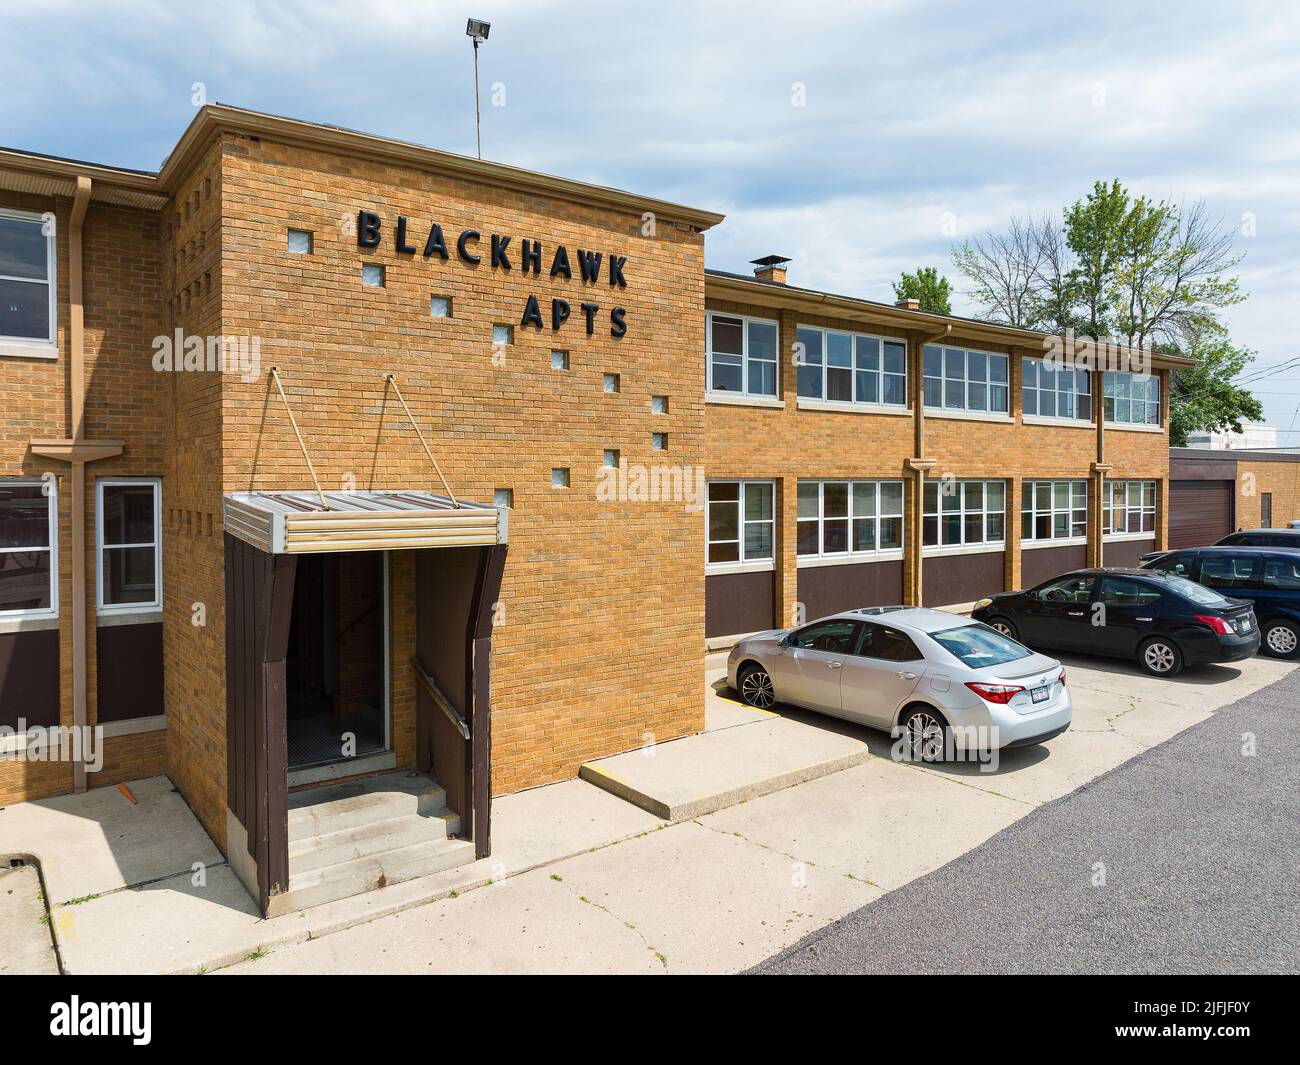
<point x="785" y="640"/>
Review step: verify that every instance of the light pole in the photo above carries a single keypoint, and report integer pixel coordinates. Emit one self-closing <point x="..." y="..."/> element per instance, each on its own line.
<point x="477" y="30"/>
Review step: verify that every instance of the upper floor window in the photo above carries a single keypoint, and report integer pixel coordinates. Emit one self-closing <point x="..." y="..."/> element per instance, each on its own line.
<point x="1132" y="399"/>
<point x="959" y="513"/>
<point x="128" y="523"/>
<point x="849" y="517"/>
<point x="851" y="367"/>
<point x="1128" y="506"/>
<point x="27" y="288"/>
<point x="1054" y="510"/>
<point x="742" y="355"/>
<point x="28" y="555"/>
<point x="1055" y="393"/>
<point x="741" y="521"/>
<point x="962" y="380"/>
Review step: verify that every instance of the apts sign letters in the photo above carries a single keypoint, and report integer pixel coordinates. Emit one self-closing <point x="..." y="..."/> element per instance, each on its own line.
<point x="471" y="247"/>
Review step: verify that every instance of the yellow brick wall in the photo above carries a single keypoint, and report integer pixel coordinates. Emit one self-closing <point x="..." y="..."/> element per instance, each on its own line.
<point x="1282" y="479"/>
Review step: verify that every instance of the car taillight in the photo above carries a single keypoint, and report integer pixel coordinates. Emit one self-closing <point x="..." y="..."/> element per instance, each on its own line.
<point x="1217" y="624"/>
<point x="995" y="693"/>
<point x="1061" y="679"/>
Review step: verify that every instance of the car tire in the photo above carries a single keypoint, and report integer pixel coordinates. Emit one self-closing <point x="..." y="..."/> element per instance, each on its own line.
<point x="1005" y="626"/>
<point x="924" y="735"/>
<point x="756" y="687"/>
<point x="1159" y="656"/>
<point x="1280" y="638"/>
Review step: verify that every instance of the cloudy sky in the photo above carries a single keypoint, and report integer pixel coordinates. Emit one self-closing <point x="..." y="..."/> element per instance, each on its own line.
<point x="860" y="139"/>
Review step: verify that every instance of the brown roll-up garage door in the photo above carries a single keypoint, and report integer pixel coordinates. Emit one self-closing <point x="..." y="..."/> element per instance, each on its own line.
<point x="1200" y="512"/>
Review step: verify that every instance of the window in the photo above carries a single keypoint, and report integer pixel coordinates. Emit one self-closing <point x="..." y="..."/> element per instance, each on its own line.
<point x="979" y="647"/>
<point x="1281" y="573"/>
<point x="129" y="532"/>
<point x="1132" y="399"/>
<point x="1128" y="506"/>
<point x="1118" y="592"/>
<point x="851" y="367"/>
<point x="611" y="457"/>
<point x="1180" y="564"/>
<point x="372" y="275"/>
<point x="503" y="498"/>
<point x="1070" y="589"/>
<point x="299" y="242"/>
<point x="502" y="335"/>
<point x="559" y="360"/>
<point x="1228" y="571"/>
<point x="659" y="441"/>
<point x="612" y="383"/>
<point x="1197" y="593"/>
<point x="28" y="554"/>
<point x="957" y="513"/>
<point x="837" y="636"/>
<point x="849" y="517"/>
<point x="440" y="306"/>
<point x="1054" y="510"/>
<point x="740" y="521"/>
<point x="742" y="355"/>
<point x="560" y="477"/>
<point x="27" y="285"/>
<point x="658" y="404"/>
<point x="957" y="379"/>
<point x="1055" y="393"/>
<point x="879" y="641"/>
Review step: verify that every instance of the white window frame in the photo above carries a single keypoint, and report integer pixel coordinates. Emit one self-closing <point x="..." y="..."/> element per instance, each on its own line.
<point x="114" y="609"/>
<point x="741" y="562"/>
<point x="1029" y="507"/>
<point x="964" y="512"/>
<point x="1055" y="392"/>
<point x="854" y="399"/>
<point x="943" y="405"/>
<point x="849" y="517"/>
<point x="1114" y="380"/>
<point x="52" y="503"/>
<point x="745" y="321"/>
<point x="35" y="347"/>
<point x="1124" y="489"/>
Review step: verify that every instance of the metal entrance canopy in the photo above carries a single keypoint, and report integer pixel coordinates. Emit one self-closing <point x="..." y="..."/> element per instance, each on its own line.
<point x="295" y="523"/>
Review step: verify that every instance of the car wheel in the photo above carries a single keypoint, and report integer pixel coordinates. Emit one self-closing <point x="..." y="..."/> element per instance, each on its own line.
<point x="1004" y="626"/>
<point x="925" y="734"/>
<point x="1281" y="638"/>
<point x="756" y="687"/>
<point x="1160" y="657"/>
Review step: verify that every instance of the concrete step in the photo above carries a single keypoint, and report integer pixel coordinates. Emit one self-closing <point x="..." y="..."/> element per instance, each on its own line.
<point x="370" y="838"/>
<point x="337" y="807"/>
<point x="318" y="886"/>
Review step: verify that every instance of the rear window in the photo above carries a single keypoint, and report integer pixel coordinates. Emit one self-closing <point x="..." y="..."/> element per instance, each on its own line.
<point x="1197" y="593"/>
<point x="978" y="646"/>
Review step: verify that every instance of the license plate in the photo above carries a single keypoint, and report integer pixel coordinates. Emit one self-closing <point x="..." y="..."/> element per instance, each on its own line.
<point x="1041" y="695"/>
<point x="1243" y="625"/>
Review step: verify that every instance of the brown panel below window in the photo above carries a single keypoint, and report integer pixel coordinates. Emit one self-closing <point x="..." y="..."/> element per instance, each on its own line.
<point x="829" y="589"/>
<point x="1126" y="552"/>
<point x="952" y="579"/>
<point x="1041" y="564"/>
<point x="736" y="603"/>
<point x="29" y="678"/>
<point x="129" y="671"/>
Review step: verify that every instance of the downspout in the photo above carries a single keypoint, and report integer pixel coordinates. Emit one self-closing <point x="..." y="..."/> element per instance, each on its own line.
<point x="918" y="463"/>
<point x="1100" y="468"/>
<point x="77" y="451"/>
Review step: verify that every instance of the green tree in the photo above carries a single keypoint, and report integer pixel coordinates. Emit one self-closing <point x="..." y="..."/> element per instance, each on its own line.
<point x="1204" y="396"/>
<point x="932" y="291"/>
<point x="1094" y="233"/>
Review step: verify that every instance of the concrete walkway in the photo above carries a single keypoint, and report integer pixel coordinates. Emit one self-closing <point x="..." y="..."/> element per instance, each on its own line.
<point x="581" y="880"/>
<point x="26" y="948"/>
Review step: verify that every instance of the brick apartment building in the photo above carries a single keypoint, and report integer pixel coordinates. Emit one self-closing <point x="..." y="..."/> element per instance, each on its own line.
<point x="403" y="508"/>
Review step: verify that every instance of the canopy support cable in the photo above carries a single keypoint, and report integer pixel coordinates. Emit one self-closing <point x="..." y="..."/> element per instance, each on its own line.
<point x="275" y="376"/>
<point x="392" y="379"/>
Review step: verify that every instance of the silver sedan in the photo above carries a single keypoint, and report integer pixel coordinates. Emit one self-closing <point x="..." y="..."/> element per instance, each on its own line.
<point x="941" y="682"/>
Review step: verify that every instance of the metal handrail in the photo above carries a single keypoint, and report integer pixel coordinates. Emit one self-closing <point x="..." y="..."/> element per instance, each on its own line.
<point x="444" y="704"/>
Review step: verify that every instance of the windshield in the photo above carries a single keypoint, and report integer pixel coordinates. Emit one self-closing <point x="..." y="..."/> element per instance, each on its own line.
<point x="1197" y="593"/>
<point x="979" y="647"/>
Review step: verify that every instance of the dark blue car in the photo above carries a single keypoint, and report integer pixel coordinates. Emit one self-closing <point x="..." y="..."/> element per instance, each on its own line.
<point x="1268" y="577"/>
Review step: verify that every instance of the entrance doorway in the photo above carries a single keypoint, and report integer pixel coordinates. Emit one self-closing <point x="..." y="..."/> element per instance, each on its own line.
<point x="336" y="664"/>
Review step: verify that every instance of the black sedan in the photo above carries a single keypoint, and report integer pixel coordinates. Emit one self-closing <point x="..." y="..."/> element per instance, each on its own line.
<point x="1161" y="620"/>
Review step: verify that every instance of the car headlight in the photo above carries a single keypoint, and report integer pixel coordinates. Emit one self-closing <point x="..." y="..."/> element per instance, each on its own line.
<point x="983" y="603"/>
